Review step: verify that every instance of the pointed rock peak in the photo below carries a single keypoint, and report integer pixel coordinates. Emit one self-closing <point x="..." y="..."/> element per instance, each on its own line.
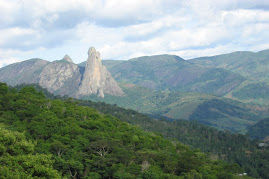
<point x="67" y="58"/>
<point x="93" y="54"/>
<point x="91" y="51"/>
<point x="96" y="79"/>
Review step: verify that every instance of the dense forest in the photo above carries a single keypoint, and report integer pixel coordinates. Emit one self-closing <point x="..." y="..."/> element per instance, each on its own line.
<point x="260" y="130"/>
<point x="224" y="145"/>
<point x="45" y="138"/>
<point x="218" y="144"/>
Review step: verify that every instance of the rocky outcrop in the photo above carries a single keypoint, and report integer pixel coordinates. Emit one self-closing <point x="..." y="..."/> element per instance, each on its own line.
<point x="56" y="74"/>
<point x="63" y="77"/>
<point x="97" y="79"/>
<point x="68" y="59"/>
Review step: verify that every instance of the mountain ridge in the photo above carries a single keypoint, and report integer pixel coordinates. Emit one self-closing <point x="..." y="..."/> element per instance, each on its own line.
<point x="253" y="65"/>
<point x="156" y="85"/>
<point x="170" y="72"/>
<point x="63" y="76"/>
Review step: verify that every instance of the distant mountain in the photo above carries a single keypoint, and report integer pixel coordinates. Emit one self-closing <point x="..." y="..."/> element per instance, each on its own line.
<point x="160" y="85"/>
<point x="172" y="73"/>
<point x="211" y="110"/>
<point x="251" y="92"/>
<point x="253" y="66"/>
<point x="260" y="130"/>
<point x="23" y="72"/>
<point x="63" y="77"/>
<point x="249" y="64"/>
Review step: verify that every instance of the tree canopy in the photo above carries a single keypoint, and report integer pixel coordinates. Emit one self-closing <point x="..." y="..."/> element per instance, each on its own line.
<point x="48" y="138"/>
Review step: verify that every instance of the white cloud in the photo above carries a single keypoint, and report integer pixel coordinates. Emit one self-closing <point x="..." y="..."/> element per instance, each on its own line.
<point x="126" y="50"/>
<point x="8" y="57"/>
<point x="124" y="29"/>
<point x="242" y="16"/>
<point x="14" y="33"/>
<point x="7" y="61"/>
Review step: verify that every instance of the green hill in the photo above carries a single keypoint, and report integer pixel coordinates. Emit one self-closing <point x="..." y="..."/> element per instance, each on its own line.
<point x="260" y="130"/>
<point x="248" y="64"/>
<point x="78" y="142"/>
<point x="172" y="73"/>
<point x="224" y="114"/>
<point x="218" y="144"/>
<point x="254" y="92"/>
<point x="253" y="66"/>
<point x="208" y="109"/>
<point x="222" y="75"/>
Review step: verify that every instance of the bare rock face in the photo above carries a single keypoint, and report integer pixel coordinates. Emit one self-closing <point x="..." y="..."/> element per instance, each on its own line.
<point x="96" y="78"/>
<point x="63" y="77"/>
<point x="56" y="74"/>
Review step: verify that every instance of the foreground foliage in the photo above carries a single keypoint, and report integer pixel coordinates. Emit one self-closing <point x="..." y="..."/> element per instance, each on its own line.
<point x="17" y="159"/>
<point x="79" y="142"/>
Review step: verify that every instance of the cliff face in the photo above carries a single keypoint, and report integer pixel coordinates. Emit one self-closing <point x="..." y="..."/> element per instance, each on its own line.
<point x="56" y="74"/>
<point x="64" y="77"/>
<point x="96" y="78"/>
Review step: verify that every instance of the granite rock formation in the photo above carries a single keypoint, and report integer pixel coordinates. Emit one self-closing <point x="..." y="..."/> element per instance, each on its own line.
<point x="68" y="59"/>
<point x="96" y="78"/>
<point x="55" y="75"/>
<point x="63" y="77"/>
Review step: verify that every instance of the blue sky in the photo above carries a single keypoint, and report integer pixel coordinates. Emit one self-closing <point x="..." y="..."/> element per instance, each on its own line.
<point x="123" y="29"/>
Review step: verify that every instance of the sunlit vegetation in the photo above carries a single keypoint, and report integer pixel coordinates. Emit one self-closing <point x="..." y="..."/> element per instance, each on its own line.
<point x="51" y="138"/>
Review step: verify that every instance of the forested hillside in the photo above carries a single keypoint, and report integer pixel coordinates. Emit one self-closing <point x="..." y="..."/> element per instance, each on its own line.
<point x="211" y="110"/>
<point x="62" y="139"/>
<point x="235" y="148"/>
<point x="260" y="130"/>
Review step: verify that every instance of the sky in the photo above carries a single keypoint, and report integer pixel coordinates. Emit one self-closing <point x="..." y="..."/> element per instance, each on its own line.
<point x="124" y="29"/>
